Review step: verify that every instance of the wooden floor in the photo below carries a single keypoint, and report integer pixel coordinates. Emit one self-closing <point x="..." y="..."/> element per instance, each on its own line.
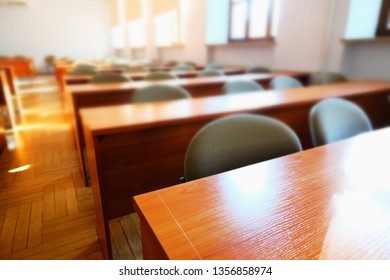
<point x="46" y="212"/>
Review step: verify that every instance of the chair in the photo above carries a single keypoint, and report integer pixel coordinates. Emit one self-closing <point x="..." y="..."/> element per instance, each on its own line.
<point x="109" y="77"/>
<point x="130" y="69"/>
<point x="285" y="82"/>
<point x="239" y="86"/>
<point x="327" y="78"/>
<point x="183" y="67"/>
<point x="171" y="63"/>
<point x="213" y="66"/>
<point x="159" y="93"/>
<point x="257" y="69"/>
<point x="210" y="73"/>
<point x="336" y="119"/>
<point x="84" y="69"/>
<point x="152" y="64"/>
<point x="159" y="75"/>
<point x="236" y="141"/>
<point x="190" y="63"/>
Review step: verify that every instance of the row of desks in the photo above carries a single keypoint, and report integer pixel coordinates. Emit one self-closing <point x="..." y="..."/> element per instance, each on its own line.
<point x="331" y="202"/>
<point x="134" y="149"/>
<point x="61" y="71"/>
<point x="94" y="95"/>
<point x="139" y="76"/>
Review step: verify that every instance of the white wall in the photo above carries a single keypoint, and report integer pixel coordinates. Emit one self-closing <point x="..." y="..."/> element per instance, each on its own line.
<point x="76" y="28"/>
<point x="301" y="35"/>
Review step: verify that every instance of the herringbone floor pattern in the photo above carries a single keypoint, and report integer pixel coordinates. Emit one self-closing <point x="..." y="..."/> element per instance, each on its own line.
<point x="46" y="212"/>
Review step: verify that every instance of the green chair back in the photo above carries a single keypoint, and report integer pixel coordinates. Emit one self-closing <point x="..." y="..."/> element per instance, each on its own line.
<point x="336" y="119"/>
<point x="159" y="75"/>
<point x="285" y="82"/>
<point x="84" y="69"/>
<point x="323" y="78"/>
<point x="235" y="141"/>
<point x="183" y="67"/>
<point x="241" y="86"/>
<point x="213" y="66"/>
<point x="109" y="77"/>
<point x="154" y="93"/>
<point x="210" y="73"/>
<point x="129" y="69"/>
<point x="257" y="69"/>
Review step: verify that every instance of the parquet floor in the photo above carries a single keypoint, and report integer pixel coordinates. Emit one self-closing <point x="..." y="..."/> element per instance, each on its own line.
<point x="46" y="212"/>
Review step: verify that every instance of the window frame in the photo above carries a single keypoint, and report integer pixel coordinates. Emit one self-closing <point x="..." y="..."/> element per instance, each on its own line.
<point x="268" y="36"/>
<point x="383" y="21"/>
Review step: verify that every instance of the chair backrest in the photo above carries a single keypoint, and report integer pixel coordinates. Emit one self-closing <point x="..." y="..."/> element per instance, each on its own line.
<point x="240" y="86"/>
<point x="257" y="69"/>
<point x="128" y="69"/>
<point x="190" y="63"/>
<point x="152" y="64"/>
<point x="183" y="67"/>
<point x="336" y="119"/>
<point x="236" y="141"/>
<point x="327" y="78"/>
<point x="213" y="66"/>
<point x="171" y="63"/>
<point x="159" y="75"/>
<point x="84" y="69"/>
<point x="109" y="78"/>
<point x="210" y="73"/>
<point x="159" y="93"/>
<point x="285" y="82"/>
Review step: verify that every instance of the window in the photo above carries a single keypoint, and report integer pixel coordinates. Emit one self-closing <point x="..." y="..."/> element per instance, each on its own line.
<point x="250" y="20"/>
<point x="383" y="28"/>
<point x="136" y="30"/>
<point x="116" y="30"/>
<point x="168" y="29"/>
<point x="135" y="23"/>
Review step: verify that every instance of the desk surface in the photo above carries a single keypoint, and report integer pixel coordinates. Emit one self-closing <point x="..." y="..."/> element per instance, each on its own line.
<point x="138" y="76"/>
<point x="132" y="117"/>
<point x="330" y="202"/>
<point x="187" y="83"/>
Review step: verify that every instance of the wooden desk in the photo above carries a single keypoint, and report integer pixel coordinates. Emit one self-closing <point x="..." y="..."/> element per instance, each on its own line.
<point x="169" y="68"/>
<point x="93" y="95"/>
<point x="11" y="79"/>
<point x="133" y="149"/>
<point x="330" y="202"/>
<point x="139" y="76"/>
<point x="61" y="71"/>
<point x="23" y="68"/>
<point x="6" y="102"/>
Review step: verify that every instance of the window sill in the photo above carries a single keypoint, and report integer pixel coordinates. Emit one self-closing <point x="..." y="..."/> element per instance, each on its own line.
<point x="262" y="42"/>
<point x="366" y="40"/>
<point x="178" y="46"/>
<point x="137" y="48"/>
